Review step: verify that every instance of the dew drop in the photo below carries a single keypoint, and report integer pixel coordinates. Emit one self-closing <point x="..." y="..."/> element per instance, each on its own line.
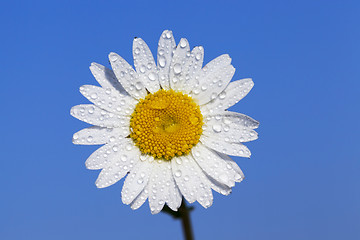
<point x="128" y="147"/>
<point x="213" y="96"/>
<point x="217" y="128"/>
<point x="124" y="158"/>
<point x="179" y="161"/>
<point x="94" y="96"/>
<point x="152" y="76"/>
<point x="138" y="85"/>
<point x="113" y="57"/>
<point x="90" y="139"/>
<point x="142" y="69"/>
<point x="178" y="173"/>
<point x="137" y="50"/>
<point x="198" y="56"/>
<point x="183" y="43"/>
<point x="177" y="68"/>
<point x="222" y="95"/>
<point x="162" y="61"/>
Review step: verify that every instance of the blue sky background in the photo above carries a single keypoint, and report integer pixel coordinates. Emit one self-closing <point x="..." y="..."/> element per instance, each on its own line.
<point x="302" y="181"/>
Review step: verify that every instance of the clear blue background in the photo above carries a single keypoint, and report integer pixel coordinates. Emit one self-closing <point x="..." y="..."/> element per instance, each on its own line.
<point x="302" y="181"/>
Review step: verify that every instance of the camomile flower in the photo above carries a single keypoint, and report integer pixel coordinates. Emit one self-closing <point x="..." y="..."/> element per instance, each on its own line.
<point x="164" y="125"/>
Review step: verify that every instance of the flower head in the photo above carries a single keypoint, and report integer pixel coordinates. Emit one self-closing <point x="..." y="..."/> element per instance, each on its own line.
<point x="166" y="125"/>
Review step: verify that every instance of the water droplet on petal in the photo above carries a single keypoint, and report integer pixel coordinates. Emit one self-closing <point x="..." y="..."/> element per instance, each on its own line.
<point x="217" y="128"/>
<point x="177" y="68"/>
<point x="142" y="69"/>
<point x="183" y="43"/>
<point x="113" y="57"/>
<point x="222" y="95"/>
<point x="152" y="76"/>
<point x="162" y="61"/>
<point x="178" y="173"/>
<point x="138" y="85"/>
<point x="137" y="50"/>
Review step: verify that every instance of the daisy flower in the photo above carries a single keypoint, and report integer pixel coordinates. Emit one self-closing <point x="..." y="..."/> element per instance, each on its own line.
<point x="165" y="125"/>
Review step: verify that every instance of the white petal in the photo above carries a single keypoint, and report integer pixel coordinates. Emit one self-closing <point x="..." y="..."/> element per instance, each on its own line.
<point x="192" y="65"/>
<point x="97" y="135"/>
<point x="106" y="78"/>
<point x="234" y="149"/>
<point x="105" y="155"/>
<point x="145" y="65"/>
<point x="234" y="166"/>
<point x="136" y="181"/>
<point x="140" y="199"/>
<point x="174" y="199"/>
<point x="166" y="47"/>
<point x="121" y="161"/>
<point x="232" y="94"/>
<point x="109" y="99"/>
<point x="96" y="116"/>
<point x="219" y="187"/>
<point x="236" y="118"/>
<point x="214" y="166"/>
<point x="222" y="127"/>
<point x="208" y="82"/>
<point x="158" y="187"/>
<point x="127" y="76"/>
<point x="214" y="84"/>
<point x="191" y="181"/>
<point x="181" y="55"/>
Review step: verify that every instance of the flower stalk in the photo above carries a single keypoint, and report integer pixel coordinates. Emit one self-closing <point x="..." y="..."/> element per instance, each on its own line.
<point x="183" y="213"/>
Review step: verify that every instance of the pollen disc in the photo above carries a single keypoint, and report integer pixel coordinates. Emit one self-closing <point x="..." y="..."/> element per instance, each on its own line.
<point x="166" y="124"/>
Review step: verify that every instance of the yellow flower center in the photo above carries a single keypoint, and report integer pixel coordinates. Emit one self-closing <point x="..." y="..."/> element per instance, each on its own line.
<point x="166" y="124"/>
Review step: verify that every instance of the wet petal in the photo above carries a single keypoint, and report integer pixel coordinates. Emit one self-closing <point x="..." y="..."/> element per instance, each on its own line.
<point x="109" y="99"/>
<point x="145" y="65"/>
<point x="166" y="47"/>
<point x="110" y="152"/>
<point x="106" y="78"/>
<point x="98" y="135"/>
<point x="121" y="161"/>
<point x="192" y="181"/>
<point x="214" y="166"/>
<point x="186" y="78"/>
<point x="136" y="181"/>
<point x="140" y="199"/>
<point x="214" y="84"/>
<point x="127" y="76"/>
<point x="181" y="55"/>
<point x="207" y="76"/>
<point x="232" y="94"/>
<point x="96" y="116"/>
<point x="159" y="189"/>
<point x="234" y="149"/>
